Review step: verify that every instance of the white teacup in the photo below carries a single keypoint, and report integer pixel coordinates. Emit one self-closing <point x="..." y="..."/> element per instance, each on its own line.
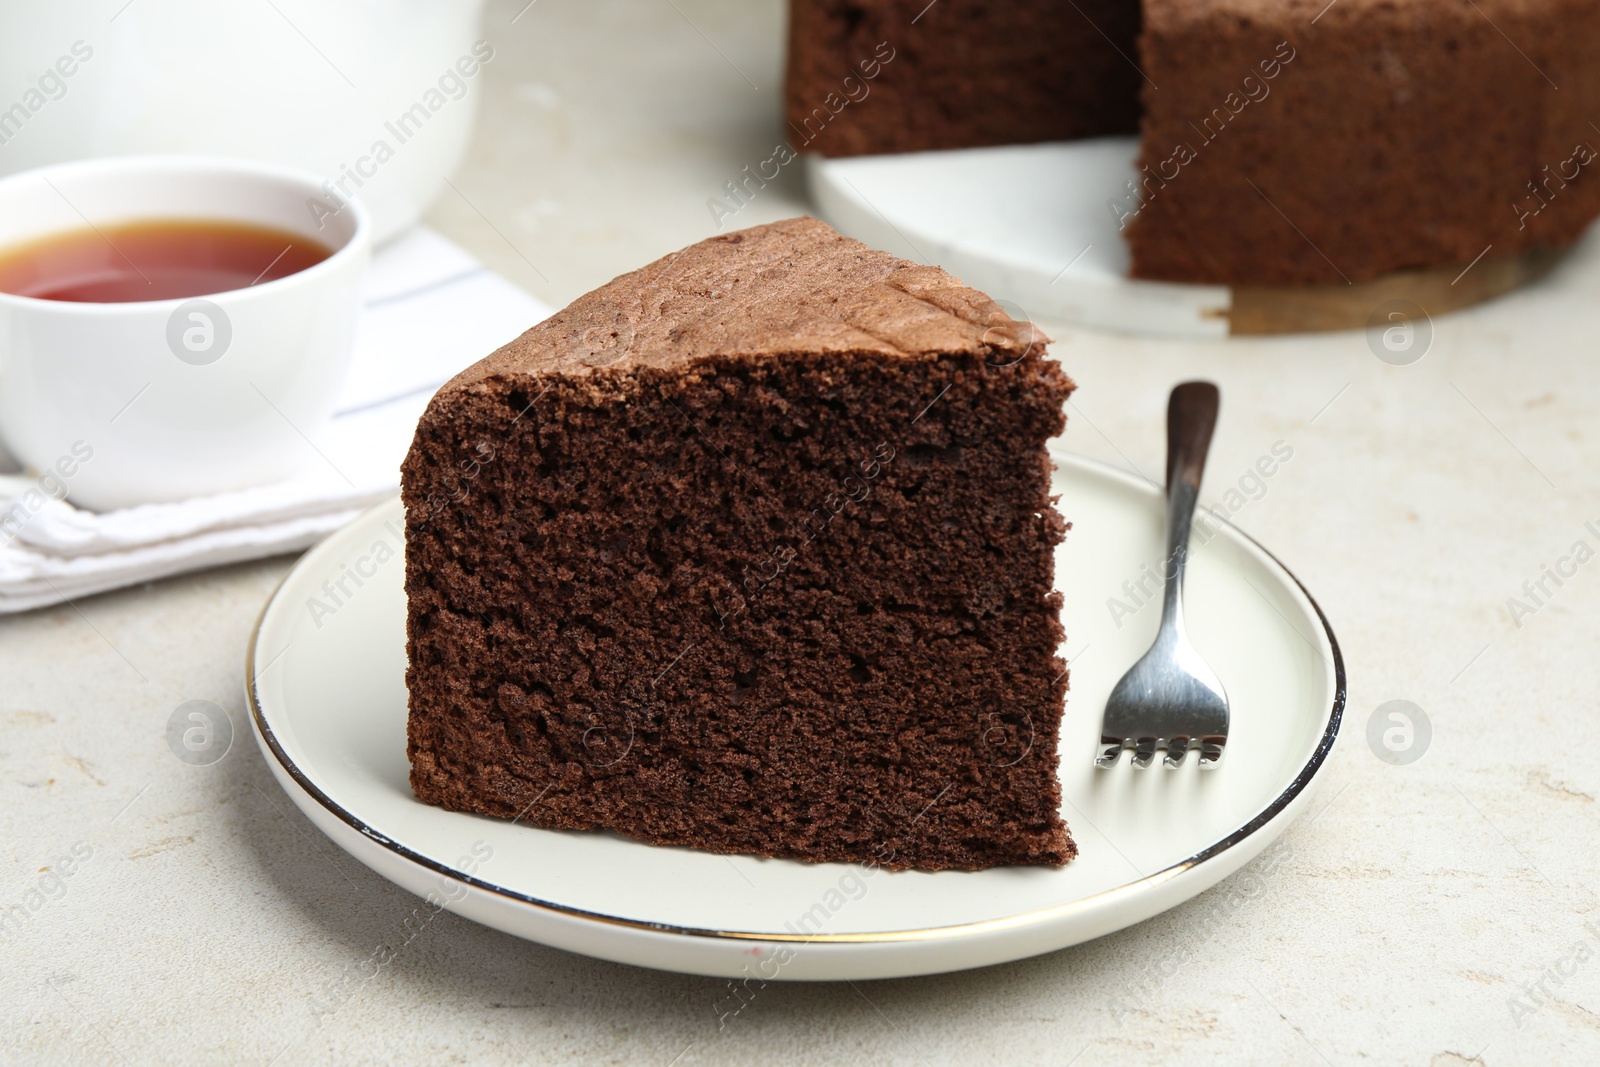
<point x="153" y="401"/>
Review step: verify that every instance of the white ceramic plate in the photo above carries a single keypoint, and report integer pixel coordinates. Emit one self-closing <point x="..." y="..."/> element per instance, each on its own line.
<point x="1027" y="223"/>
<point x="328" y="698"/>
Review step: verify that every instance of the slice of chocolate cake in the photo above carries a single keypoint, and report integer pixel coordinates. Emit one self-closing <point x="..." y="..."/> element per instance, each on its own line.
<point x="750" y="550"/>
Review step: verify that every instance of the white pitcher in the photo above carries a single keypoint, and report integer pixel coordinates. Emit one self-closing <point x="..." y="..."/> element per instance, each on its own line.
<point x="376" y="96"/>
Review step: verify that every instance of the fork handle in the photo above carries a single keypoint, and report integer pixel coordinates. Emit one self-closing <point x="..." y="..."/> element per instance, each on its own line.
<point x="1191" y="417"/>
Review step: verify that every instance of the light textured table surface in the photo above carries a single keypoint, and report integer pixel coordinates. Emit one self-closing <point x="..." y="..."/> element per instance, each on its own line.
<point x="1428" y="912"/>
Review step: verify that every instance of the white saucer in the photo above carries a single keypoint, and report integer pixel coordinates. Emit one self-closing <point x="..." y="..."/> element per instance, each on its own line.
<point x="1027" y="223"/>
<point x="328" y="698"/>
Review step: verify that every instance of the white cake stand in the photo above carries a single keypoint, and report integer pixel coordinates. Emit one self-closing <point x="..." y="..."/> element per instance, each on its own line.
<point x="1031" y="226"/>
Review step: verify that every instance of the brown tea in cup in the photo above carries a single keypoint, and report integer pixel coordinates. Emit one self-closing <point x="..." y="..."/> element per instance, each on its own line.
<point x="154" y="259"/>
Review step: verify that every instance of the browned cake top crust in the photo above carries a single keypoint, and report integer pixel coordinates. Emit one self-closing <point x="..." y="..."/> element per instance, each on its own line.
<point x="796" y="287"/>
<point x="1167" y="14"/>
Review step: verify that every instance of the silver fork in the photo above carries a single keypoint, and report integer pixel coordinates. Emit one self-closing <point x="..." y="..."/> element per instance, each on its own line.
<point x="1170" y="698"/>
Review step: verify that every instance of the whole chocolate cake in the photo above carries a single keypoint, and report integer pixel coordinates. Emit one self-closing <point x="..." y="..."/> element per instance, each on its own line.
<point x="750" y="550"/>
<point x="1283" y="141"/>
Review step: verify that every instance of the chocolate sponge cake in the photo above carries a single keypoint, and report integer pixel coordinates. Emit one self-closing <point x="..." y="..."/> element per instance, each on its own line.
<point x="1283" y="142"/>
<point x="750" y="550"/>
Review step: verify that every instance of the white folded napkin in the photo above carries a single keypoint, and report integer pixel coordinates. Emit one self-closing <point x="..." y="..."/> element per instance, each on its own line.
<point x="431" y="310"/>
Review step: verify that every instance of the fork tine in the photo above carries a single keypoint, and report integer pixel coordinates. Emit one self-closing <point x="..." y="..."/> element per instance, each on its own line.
<point x="1110" y="751"/>
<point x="1211" y="751"/>
<point x="1145" y="752"/>
<point x="1177" y="749"/>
